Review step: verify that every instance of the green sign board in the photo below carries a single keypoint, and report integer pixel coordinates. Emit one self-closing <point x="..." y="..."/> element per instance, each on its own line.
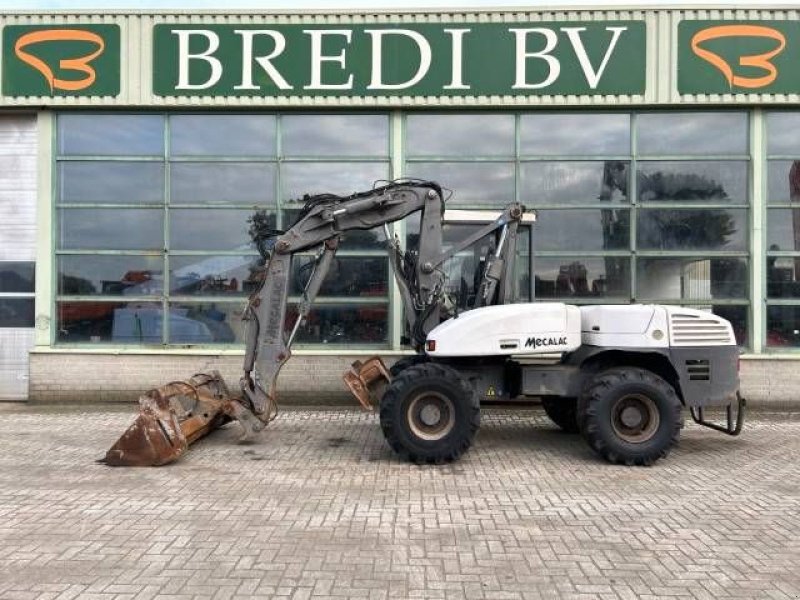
<point x="394" y="59"/>
<point x="738" y="57"/>
<point x="61" y="60"/>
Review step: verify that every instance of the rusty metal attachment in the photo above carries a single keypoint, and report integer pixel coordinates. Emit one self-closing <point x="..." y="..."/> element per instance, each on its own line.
<point x="367" y="380"/>
<point x="174" y="416"/>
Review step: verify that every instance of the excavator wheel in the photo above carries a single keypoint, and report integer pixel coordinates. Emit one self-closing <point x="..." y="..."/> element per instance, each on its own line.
<point x="429" y="414"/>
<point x="562" y="412"/>
<point x="630" y="416"/>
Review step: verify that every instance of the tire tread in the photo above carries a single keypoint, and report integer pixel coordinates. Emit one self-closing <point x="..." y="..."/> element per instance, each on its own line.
<point x="591" y="399"/>
<point x="399" y="388"/>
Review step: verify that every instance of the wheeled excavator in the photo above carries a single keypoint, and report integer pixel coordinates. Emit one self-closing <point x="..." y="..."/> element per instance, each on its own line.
<point x="620" y="375"/>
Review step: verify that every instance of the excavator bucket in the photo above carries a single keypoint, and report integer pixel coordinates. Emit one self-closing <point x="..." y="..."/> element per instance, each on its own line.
<point x="367" y="380"/>
<point x="171" y="418"/>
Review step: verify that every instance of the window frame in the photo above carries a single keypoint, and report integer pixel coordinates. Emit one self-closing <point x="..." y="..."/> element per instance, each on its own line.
<point x="766" y="254"/>
<point x="397" y="161"/>
<point x="166" y="297"/>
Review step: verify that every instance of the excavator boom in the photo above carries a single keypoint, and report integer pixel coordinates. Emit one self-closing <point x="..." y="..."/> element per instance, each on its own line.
<point x="175" y="415"/>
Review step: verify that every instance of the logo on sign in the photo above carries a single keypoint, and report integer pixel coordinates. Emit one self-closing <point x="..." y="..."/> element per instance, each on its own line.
<point x="25" y="47"/>
<point x="760" y="61"/>
<point x="76" y="59"/>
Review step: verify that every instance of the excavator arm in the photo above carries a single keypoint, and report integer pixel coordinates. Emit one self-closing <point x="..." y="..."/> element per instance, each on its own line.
<point x="321" y="223"/>
<point x="170" y="416"/>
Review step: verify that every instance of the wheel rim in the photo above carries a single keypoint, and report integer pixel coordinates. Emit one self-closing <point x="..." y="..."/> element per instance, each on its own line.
<point x="635" y="418"/>
<point x="431" y="416"/>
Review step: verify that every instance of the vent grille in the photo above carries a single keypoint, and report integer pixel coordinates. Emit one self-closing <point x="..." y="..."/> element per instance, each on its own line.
<point x="693" y="330"/>
<point x="698" y="370"/>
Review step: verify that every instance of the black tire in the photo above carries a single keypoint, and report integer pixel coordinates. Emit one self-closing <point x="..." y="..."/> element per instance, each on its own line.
<point x="429" y="414"/>
<point x="405" y="362"/>
<point x="563" y="412"/>
<point x="630" y="416"/>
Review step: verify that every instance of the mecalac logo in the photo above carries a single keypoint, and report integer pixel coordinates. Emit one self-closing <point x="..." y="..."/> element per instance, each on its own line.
<point x="56" y="60"/>
<point x="538" y="342"/>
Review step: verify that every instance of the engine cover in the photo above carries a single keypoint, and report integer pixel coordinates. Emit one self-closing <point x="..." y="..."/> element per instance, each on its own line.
<point x="653" y="326"/>
<point x="532" y="328"/>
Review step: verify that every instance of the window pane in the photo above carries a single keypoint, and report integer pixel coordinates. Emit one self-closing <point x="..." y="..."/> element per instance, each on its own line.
<point x="582" y="229"/>
<point x="559" y="134"/>
<point x="343" y="324"/>
<point x="335" y="135"/>
<point x="241" y="183"/>
<point x="222" y="135"/>
<point x="783" y="229"/>
<point x="460" y="135"/>
<point x="783" y="326"/>
<point x="16" y="312"/>
<point x="464" y="271"/>
<point x="207" y="323"/>
<point x="473" y="184"/>
<point x="688" y="181"/>
<point x="210" y="229"/>
<point x="111" y="229"/>
<point x="782" y="128"/>
<point x="454" y="232"/>
<point x="783" y="277"/>
<point x="572" y="277"/>
<point x="348" y="276"/>
<point x="87" y="275"/>
<point x="118" y="322"/>
<point x="464" y="274"/>
<point x="110" y="135"/>
<point x="737" y="315"/>
<point x="567" y="182"/>
<point x="783" y="181"/>
<point x="691" y="278"/>
<point x="702" y="229"/>
<point x="111" y="182"/>
<point x="299" y="179"/>
<point x="692" y="133"/>
<point x="214" y="275"/>
<point x="17" y="277"/>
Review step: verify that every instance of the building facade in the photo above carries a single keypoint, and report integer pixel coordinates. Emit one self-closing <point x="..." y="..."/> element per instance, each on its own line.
<point x="659" y="148"/>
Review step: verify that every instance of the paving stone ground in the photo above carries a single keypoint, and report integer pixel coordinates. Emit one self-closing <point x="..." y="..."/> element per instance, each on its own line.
<point x="321" y="508"/>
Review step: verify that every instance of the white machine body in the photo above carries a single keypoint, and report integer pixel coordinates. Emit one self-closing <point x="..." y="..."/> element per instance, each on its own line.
<point x="653" y="326"/>
<point x="556" y="328"/>
<point x="532" y="328"/>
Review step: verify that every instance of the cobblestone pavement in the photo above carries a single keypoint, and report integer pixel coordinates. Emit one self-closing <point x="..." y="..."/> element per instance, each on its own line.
<point x="321" y="508"/>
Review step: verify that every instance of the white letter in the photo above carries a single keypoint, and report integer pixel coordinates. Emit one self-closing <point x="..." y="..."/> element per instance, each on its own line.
<point x="265" y="61"/>
<point x="184" y="57"/>
<point x="317" y="58"/>
<point x="592" y="76"/>
<point x="376" y="82"/>
<point x="523" y="55"/>
<point x="456" y="81"/>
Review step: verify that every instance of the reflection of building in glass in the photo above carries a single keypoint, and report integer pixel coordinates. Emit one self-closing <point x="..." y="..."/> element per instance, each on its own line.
<point x="615" y="231"/>
<point x="665" y="228"/>
<point x="794" y="196"/>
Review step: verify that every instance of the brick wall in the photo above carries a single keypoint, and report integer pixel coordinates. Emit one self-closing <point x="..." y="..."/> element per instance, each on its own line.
<point x="107" y="377"/>
<point x="304" y="380"/>
<point x="771" y="383"/>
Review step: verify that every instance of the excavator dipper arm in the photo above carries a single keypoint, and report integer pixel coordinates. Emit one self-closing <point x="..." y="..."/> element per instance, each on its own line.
<point x="168" y="421"/>
<point x="325" y="218"/>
